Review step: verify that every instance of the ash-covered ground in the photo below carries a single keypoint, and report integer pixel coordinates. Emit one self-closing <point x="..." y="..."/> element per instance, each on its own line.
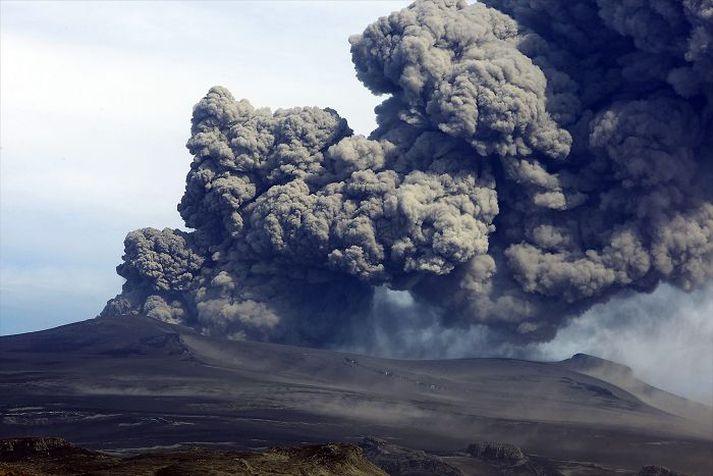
<point x="138" y="384"/>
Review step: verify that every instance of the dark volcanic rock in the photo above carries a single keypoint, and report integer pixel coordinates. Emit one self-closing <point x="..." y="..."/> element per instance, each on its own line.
<point x="509" y="460"/>
<point x="657" y="471"/>
<point x="23" y="449"/>
<point x="500" y="453"/>
<point x="400" y="461"/>
<point x="54" y="456"/>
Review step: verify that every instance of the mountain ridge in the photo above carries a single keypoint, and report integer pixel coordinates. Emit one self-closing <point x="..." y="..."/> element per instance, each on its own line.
<point x="113" y="383"/>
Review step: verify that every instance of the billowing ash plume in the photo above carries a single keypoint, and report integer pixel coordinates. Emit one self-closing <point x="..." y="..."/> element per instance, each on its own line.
<point x="532" y="158"/>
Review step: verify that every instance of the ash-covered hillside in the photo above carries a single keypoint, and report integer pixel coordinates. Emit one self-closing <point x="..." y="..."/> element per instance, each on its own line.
<point x="132" y="383"/>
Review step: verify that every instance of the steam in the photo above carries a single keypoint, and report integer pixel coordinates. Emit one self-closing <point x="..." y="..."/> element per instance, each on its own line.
<point x="532" y="159"/>
<point x="665" y="337"/>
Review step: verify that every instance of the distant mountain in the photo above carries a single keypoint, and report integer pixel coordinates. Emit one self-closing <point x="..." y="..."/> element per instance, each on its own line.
<point x="587" y="363"/>
<point x="623" y="377"/>
<point x="127" y="384"/>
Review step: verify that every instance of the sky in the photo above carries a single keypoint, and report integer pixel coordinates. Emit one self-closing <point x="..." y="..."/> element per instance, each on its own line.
<point x="96" y="106"/>
<point x="96" y="99"/>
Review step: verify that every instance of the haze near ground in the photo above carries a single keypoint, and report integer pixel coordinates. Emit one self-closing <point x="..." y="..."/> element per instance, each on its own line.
<point x="136" y="384"/>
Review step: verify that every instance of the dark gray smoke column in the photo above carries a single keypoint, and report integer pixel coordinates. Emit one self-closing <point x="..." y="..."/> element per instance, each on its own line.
<point x="531" y="160"/>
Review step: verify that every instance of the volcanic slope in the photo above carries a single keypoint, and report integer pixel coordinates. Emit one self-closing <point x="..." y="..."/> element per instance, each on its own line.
<point x="134" y="383"/>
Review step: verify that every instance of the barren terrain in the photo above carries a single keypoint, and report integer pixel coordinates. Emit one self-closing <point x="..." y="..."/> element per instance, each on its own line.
<point x="135" y="384"/>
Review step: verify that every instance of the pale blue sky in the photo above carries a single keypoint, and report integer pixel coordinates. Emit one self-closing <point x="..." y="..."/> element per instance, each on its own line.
<point x="96" y="103"/>
<point x="96" y="99"/>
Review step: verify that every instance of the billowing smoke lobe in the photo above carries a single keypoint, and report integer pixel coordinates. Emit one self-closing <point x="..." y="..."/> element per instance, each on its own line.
<point x="532" y="158"/>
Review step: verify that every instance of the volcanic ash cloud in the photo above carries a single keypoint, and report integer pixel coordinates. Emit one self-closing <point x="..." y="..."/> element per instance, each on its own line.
<point x="531" y="159"/>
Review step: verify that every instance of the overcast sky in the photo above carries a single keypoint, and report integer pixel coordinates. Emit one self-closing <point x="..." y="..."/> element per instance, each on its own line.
<point x="96" y="100"/>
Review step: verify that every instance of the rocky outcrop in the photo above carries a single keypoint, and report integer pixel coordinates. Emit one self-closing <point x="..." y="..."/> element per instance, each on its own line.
<point x="55" y="456"/>
<point x="498" y="453"/>
<point x="400" y="461"/>
<point x="23" y="449"/>
<point x="653" y="470"/>
<point x="589" y="364"/>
